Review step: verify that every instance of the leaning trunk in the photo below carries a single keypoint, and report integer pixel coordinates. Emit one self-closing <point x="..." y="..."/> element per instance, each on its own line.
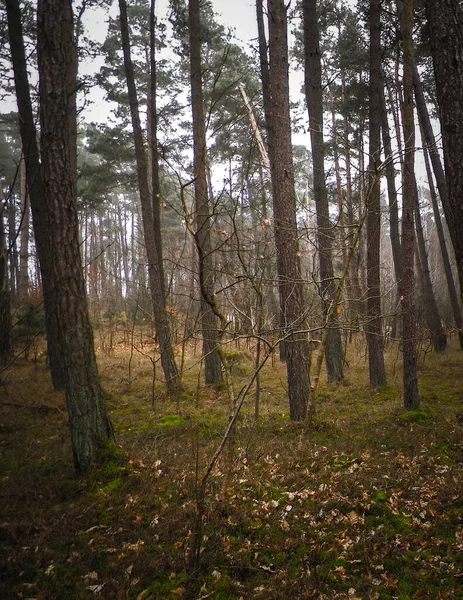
<point x="447" y="53"/>
<point x="153" y="252"/>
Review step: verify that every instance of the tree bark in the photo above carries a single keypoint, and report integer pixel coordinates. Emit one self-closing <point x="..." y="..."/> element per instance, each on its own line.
<point x="35" y="186"/>
<point x="373" y="329"/>
<point x="156" y="279"/>
<point x="264" y="74"/>
<point x="23" y="277"/>
<point x="292" y="304"/>
<point x="452" y="290"/>
<point x="6" y="346"/>
<point x="431" y="312"/>
<point x="325" y="232"/>
<point x="447" y="52"/>
<point x="410" y="359"/>
<point x="89" y="423"/>
<point x="212" y="363"/>
<point x="391" y="188"/>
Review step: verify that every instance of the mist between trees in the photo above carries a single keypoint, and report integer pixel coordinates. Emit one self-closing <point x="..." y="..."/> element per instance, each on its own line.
<point x="108" y="229"/>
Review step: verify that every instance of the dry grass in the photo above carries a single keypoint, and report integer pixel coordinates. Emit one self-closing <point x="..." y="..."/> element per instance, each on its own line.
<point x="370" y="509"/>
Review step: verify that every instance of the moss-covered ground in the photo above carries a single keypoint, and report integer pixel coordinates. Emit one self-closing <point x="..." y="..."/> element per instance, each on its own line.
<point x="370" y="508"/>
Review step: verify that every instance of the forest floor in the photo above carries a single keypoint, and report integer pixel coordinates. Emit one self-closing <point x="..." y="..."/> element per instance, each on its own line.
<point x="371" y="507"/>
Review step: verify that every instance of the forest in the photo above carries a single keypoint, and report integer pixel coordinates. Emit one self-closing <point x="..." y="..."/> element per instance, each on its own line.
<point x="231" y="274"/>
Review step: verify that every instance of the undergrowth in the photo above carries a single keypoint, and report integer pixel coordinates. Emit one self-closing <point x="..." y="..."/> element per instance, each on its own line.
<point x="370" y="508"/>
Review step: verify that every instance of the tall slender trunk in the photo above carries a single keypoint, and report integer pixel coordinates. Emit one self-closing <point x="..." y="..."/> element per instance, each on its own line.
<point x="156" y="280"/>
<point x="23" y="277"/>
<point x="325" y="233"/>
<point x="264" y="75"/>
<point x="88" y="420"/>
<point x="292" y="303"/>
<point x="432" y="317"/>
<point x="373" y="327"/>
<point x="153" y="144"/>
<point x="410" y="359"/>
<point x="447" y="53"/>
<point x="341" y="207"/>
<point x="452" y="290"/>
<point x="430" y="140"/>
<point x="391" y="189"/>
<point x="35" y="186"/>
<point x="394" y="228"/>
<point x="212" y="364"/>
<point x="6" y="346"/>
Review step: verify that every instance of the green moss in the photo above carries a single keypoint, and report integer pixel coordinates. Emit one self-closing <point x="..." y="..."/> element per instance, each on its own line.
<point x="419" y="416"/>
<point x="169" y="420"/>
<point x="112" y="486"/>
<point x="386" y="393"/>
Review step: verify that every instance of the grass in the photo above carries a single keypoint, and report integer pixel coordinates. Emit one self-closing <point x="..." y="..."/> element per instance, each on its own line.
<point x="371" y="508"/>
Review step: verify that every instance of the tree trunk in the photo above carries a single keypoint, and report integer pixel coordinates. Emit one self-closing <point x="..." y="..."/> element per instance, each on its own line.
<point x="6" y="347"/>
<point x="35" y="187"/>
<point x="430" y="141"/>
<point x="325" y="234"/>
<point x="212" y="364"/>
<point x="264" y="74"/>
<point x="391" y="188"/>
<point x="373" y="329"/>
<point x="23" y="278"/>
<point x="156" y="279"/>
<point x="292" y="304"/>
<point x="153" y="144"/>
<point x="447" y="52"/>
<point x="410" y="359"/>
<point x="431" y="312"/>
<point x="89" y="423"/>
<point x="452" y="290"/>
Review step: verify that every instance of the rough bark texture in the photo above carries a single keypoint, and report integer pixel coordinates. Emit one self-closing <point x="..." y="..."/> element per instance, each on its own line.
<point x="212" y="364"/>
<point x="291" y="291"/>
<point x="156" y="278"/>
<point x="325" y="233"/>
<point x="447" y="51"/>
<point x="373" y="327"/>
<point x="410" y="360"/>
<point x="34" y="186"/>
<point x="88" y="420"/>
<point x="456" y="308"/>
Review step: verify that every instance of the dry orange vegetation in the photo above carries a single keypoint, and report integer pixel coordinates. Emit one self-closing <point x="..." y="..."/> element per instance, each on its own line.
<point x="371" y="508"/>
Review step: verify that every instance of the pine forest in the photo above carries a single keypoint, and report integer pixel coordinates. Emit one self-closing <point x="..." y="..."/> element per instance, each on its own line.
<point x="231" y="274"/>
